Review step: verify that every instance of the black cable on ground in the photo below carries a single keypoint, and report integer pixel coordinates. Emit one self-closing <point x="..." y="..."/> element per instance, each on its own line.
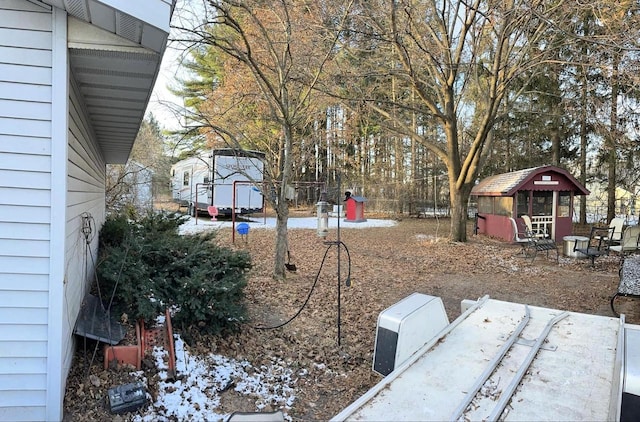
<point x="313" y="286"/>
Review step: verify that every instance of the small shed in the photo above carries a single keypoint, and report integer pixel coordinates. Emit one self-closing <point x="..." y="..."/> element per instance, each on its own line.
<point x="544" y="193"/>
<point x="354" y="206"/>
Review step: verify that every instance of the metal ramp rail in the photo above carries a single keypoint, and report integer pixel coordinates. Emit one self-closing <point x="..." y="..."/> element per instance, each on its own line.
<point x="506" y="395"/>
<point x="496" y="363"/>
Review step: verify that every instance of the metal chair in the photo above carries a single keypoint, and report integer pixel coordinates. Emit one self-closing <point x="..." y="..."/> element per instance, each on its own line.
<point x="630" y="241"/>
<point x="616" y="224"/>
<point x="629" y="285"/>
<point x="523" y="241"/>
<point x="599" y="243"/>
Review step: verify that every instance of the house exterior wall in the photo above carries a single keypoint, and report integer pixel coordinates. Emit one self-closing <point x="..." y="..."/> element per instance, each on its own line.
<point x="51" y="184"/>
<point x="25" y="207"/>
<point x="85" y="201"/>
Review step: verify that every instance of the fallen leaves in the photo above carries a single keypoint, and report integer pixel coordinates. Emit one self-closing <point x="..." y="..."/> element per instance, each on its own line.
<point x="387" y="264"/>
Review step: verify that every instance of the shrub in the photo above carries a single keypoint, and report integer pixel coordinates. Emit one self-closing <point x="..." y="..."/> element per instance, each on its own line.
<point x="150" y="267"/>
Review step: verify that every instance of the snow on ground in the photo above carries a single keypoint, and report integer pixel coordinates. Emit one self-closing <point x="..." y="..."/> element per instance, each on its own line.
<point x="257" y="223"/>
<point x="196" y="394"/>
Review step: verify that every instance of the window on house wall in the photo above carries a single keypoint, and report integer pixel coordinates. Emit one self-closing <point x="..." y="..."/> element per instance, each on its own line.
<point x="564" y="204"/>
<point x="542" y="203"/>
<point x="522" y="202"/>
<point x="185" y="178"/>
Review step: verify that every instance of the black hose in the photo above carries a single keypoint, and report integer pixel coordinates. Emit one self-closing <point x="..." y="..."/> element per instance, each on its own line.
<point x="313" y="286"/>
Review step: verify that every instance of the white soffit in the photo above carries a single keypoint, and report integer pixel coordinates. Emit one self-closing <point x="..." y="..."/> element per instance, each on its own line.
<point x="115" y="50"/>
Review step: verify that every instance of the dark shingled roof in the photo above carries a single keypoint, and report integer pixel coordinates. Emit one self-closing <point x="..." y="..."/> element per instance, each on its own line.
<point x="357" y="198"/>
<point x="506" y="184"/>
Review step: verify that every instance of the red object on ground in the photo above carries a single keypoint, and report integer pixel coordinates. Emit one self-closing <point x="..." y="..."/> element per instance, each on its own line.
<point x="124" y="355"/>
<point x="355" y="209"/>
<point x="161" y="336"/>
<point x="213" y="212"/>
<point x="148" y="338"/>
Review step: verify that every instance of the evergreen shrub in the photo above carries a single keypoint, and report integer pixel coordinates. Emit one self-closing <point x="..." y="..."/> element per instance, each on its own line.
<point x="151" y="267"/>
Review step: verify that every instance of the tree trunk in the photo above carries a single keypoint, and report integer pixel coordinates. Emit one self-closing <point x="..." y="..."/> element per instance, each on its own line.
<point x="612" y="155"/>
<point x="282" y="239"/>
<point x="583" y="147"/>
<point x="555" y="145"/>
<point x="459" y="206"/>
<point x="282" y="205"/>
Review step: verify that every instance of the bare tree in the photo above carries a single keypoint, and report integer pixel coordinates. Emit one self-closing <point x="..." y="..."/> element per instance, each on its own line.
<point x="437" y="50"/>
<point x="132" y="187"/>
<point x="267" y="57"/>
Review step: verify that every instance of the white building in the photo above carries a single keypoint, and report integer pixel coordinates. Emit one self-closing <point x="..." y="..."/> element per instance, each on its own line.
<point x="75" y="80"/>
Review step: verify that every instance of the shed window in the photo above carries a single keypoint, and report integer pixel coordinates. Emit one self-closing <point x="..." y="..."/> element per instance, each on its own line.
<point x="542" y="203"/>
<point x="564" y="204"/>
<point x="503" y="206"/>
<point x="485" y="205"/>
<point x="185" y="178"/>
<point x="522" y="201"/>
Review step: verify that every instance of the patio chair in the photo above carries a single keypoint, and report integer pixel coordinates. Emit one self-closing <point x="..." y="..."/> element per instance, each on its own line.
<point x="520" y="238"/>
<point x="598" y="245"/>
<point x="616" y="224"/>
<point x="629" y="243"/>
<point x="539" y="233"/>
<point x="531" y="244"/>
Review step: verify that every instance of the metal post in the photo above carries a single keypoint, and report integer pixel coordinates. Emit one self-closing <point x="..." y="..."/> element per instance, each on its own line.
<point x="233" y="213"/>
<point x="339" y="247"/>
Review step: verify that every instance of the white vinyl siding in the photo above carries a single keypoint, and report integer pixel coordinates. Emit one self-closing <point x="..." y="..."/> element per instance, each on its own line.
<point x="85" y="197"/>
<point x="25" y="199"/>
<point x="52" y="181"/>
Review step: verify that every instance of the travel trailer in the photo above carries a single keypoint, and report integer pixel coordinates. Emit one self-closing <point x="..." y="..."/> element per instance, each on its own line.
<point x="209" y="179"/>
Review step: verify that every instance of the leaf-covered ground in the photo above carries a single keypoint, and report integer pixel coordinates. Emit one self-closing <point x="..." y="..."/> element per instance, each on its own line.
<point x="386" y="265"/>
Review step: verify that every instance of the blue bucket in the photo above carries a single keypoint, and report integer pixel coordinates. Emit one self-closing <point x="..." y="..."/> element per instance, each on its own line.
<point x="242" y="228"/>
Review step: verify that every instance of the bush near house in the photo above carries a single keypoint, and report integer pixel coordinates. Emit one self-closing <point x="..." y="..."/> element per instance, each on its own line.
<point x="150" y="267"/>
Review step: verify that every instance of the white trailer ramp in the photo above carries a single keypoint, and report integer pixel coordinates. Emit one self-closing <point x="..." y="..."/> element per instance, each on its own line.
<point x="508" y="361"/>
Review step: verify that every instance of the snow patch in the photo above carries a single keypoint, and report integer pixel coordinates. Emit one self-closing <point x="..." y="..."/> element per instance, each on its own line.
<point x="196" y="394"/>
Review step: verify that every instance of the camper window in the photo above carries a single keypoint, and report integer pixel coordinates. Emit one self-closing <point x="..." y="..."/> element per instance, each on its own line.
<point x="185" y="178"/>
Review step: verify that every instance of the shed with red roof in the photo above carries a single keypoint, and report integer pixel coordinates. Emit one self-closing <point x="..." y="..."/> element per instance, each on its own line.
<point x="544" y="193"/>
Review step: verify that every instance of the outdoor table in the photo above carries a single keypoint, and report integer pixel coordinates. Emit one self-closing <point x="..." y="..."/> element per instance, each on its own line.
<point x="629" y="279"/>
<point x="573" y="242"/>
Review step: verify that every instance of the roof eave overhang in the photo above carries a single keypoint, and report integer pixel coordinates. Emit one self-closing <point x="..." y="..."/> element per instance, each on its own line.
<point x="580" y="190"/>
<point x="115" y="52"/>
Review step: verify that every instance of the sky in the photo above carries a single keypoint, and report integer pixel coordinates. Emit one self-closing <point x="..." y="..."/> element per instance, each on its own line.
<point x="163" y="104"/>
